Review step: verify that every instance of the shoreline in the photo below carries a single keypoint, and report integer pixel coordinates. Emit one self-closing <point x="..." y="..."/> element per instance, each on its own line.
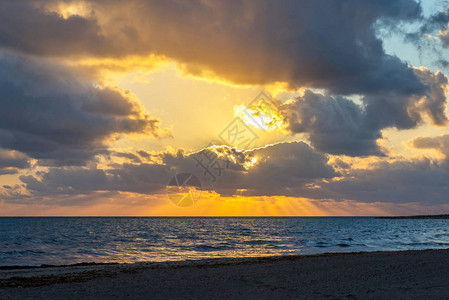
<point x="204" y="261"/>
<point x="418" y="217"/>
<point x="405" y="273"/>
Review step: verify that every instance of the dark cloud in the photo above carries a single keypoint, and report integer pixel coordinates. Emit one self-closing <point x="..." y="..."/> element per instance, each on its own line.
<point x="328" y="44"/>
<point x="334" y="125"/>
<point x="270" y="170"/>
<point x="286" y="169"/>
<point x="418" y="180"/>
<point x="12" y="161"/>
<point x="421" y="181"/>
<point x="337" y="125"/>
<point x="135" y="158"/>
<point x="404" y="112"/>
<point x="279" y="168"/>
<point x="29" y="27"/>
<point x="276" y="169"/>
<point x="439" y="143"/>
<point x="136" y="178"/>
<point x="51" y="114"/>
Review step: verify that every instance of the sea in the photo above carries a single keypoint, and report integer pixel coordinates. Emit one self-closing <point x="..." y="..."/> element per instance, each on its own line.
<point x="35" y="241"/>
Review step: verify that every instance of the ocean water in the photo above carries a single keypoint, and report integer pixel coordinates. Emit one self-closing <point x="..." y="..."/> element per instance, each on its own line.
<point x="50" y="240"/>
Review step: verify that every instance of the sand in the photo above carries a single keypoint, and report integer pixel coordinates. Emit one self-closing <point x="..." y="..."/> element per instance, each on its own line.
<point x="375" y="275"/>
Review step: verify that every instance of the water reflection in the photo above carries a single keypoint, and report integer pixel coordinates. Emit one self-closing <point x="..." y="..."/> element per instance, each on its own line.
<point x="35" y="241"/>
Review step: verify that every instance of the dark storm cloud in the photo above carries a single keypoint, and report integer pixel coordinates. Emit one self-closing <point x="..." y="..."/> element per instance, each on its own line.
<point x="51" y="114"/>
<point x="328" y="44"/>
<point x="337" y="125"/>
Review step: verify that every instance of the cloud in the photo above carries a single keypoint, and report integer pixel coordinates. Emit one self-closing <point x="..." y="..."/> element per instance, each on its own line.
<point x="408" y="111"/>
<point x="296" y="170"/>
<point x="334" y="125"/>
<point x="439" y="143"/>
<point x="437" y="24"/>
<point x="328" y="44"/>
<point x="285" y="169"/>
<point x="136" y="178"/>
<point x="57" y="116"/>
<point x="337" y="125"/>
<point x="28" y="27"/>
<point x="440" y="21"/>
<point x="50" y="113"/>
<point x="274" y="169"/>
<point x="271" y="170"/>
<point x="432" y="37"/>
<point x="403" y="181"/>
<point x="12" y="161"/>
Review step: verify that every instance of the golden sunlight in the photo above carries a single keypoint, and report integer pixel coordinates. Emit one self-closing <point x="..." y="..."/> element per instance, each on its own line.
<point x="263" y="115"/>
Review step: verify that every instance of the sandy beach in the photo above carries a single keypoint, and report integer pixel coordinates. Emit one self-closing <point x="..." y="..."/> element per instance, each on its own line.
<point x="375" y="275"/>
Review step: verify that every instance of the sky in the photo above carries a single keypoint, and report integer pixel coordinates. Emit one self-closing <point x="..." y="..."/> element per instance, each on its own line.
<point x="252" y="107"/>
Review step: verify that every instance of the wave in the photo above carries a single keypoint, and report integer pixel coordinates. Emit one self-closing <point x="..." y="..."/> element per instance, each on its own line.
<point x="72" y="240"/>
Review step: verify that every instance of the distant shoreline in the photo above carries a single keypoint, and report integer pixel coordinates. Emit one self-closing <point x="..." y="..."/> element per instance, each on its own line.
<point x="416" y="217"/>
<point x="361" y="275"/>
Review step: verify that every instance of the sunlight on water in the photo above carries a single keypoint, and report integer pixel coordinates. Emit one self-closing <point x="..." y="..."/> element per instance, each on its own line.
<point x="35" y="241"/>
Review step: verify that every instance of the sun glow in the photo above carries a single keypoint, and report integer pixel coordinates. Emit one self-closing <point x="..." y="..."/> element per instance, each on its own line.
<point x="250" y="163"/>
<point x="262" y="115"/>
<point x="69" y="9"/>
